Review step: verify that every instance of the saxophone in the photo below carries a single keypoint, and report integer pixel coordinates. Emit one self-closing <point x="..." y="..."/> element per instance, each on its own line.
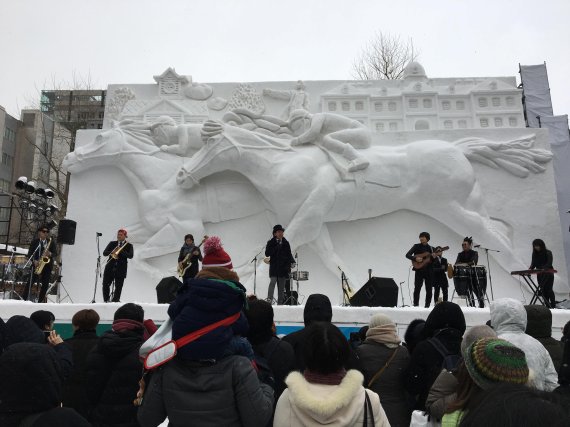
<point x="115" y="253"/>
<point x="44" y="260"/>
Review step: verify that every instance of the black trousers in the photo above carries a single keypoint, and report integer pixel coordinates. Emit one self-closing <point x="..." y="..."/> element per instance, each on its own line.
<point x="424" y="275"/>
<point x="43" y="280"/>
<point x="436" y="288"/>
<point x="108" y="278"/>
<point x="546" y="284"/>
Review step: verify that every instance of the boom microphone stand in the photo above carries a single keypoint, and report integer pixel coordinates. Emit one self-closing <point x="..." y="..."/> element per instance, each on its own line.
<point x="98" y="267"/>
<point x="489" y="266"/>
<point x="254" y="261"/>
<point x="30" y="263"/>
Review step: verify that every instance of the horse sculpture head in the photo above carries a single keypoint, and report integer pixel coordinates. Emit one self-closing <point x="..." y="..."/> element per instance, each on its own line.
<point x="106" y="149"/>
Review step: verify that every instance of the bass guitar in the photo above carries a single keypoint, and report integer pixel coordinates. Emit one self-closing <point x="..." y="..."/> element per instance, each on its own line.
<point x="186" y="263"/>
<point x="423" y="259"/>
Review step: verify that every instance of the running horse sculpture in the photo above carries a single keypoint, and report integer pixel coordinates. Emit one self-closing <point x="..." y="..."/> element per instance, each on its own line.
<point x="308" y="191"/>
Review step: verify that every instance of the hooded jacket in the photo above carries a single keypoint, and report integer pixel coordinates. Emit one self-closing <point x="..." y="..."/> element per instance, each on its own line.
<point x="113" y="373"/>
<point x="509" y="320"/>
<point x="539" y="326"/>
<point x="308" y="404"/>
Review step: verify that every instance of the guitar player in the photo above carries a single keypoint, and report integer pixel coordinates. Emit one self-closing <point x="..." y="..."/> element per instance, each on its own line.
<point x="196" y="255"/>
<point x="422" y="253"/>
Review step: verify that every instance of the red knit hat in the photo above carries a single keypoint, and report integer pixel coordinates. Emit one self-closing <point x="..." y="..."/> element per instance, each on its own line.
<point x="214" y="254"/>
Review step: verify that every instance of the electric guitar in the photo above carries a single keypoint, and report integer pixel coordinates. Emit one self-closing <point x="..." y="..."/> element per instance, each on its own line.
<point x="186" y="263"/>
<point x="426" y="258"/>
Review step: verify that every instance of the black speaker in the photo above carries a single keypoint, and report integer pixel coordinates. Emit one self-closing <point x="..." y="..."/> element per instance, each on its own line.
<point x="377" y="292"/>
<point x="166" y="289"/>
<point x="66" y="232"/>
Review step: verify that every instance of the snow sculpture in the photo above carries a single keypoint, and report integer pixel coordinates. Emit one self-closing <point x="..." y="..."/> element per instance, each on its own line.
<point x="297" y="99"/>
<point x="245" y="96"/>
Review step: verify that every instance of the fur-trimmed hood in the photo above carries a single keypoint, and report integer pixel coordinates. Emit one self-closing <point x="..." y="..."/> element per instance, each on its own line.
<point x="308" y="404"/>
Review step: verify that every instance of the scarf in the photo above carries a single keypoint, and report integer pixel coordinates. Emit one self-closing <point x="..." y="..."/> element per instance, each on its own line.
<point x="187" y="249"/>
<point x="121" y="325"/>
<point x="220" y="273"/>
<point x="384" y="334"/>
<point x="328" y="379"/>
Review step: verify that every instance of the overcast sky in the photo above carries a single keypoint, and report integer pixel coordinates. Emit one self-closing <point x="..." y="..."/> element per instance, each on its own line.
<point x="129" y="41"/>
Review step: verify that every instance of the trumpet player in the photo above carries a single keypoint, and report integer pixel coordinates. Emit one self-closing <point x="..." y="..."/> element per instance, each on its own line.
<point x="43" y="250"/>
<point x="119" y="252"/>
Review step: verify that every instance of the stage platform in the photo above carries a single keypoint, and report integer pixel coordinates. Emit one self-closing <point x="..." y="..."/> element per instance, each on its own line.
<point x="287" y="318"/>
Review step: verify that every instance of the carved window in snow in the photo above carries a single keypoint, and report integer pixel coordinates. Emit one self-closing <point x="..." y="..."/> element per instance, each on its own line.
<point x="448" y="124"/>
<point x="484" y="123"/>
<point x="462" y="124"/>
<point x="460" y="105"/>
<point x="427" y="103"/>
<point x="512" y="122"/>
<point x="393" y="126"/>
<point x="510" y="101"/>
<point x="169" y="86"/>
<point x="379" y="127"/>
<point x="332" y="106"/>
<point x="392" y="106"/>
<point x="345" y="106"/>
<point x="498" y="122"/>
<point x="413" y="103"/>
<point x="422" y="125"/>
<point x="378" y="106"/>
<point x="446" y="105"/>
<point x="496" y="101"/>
<point x="359" y="106"/>
<point x="482" y="102"/>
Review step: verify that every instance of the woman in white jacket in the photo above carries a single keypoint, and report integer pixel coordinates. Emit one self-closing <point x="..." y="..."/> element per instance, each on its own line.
<point x="325" y="393"/>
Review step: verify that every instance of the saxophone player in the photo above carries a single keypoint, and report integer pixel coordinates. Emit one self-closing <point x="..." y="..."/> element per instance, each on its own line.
<point x="119" y="252"/>
<point x="43" y="249"/>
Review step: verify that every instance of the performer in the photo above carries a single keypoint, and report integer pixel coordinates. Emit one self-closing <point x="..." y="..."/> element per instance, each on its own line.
<point x="439" y="275"/>
<point x="119" y="252"/>
<point x="195" y="255"/>
<point x="542" y="259"/>
<point x="425" y="273"/>
<point x="42" y="247"/>
<point x="467" y="255"/>
<point x="280" y="263"/>
<point x="470" y="257"/>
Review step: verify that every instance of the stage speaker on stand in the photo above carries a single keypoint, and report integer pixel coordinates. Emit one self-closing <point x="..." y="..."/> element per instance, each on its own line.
<point x="377" y="292"/>
<point x="66" y="232"/>
<point x="167" y="289"/>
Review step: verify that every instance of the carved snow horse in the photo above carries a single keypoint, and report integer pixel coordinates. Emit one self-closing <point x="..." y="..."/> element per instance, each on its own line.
<point x="306" y="190"/>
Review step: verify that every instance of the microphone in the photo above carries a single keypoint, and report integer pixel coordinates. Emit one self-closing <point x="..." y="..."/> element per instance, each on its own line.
<point x="476" y="246"/>
<point x="98" y="234"/>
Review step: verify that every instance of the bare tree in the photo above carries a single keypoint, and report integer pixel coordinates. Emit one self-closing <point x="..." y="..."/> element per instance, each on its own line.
<point x="384" y="57"/>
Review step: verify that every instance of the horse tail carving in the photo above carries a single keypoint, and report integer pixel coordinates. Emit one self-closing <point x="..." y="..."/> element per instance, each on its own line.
<point x="516" y="156"/>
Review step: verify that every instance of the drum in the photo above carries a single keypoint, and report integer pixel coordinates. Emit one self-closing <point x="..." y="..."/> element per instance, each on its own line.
<point x="479" y="278"/>
<point x="462" y="279"/>
<point x="20" y="259"/>
<point x="300" y="275"/>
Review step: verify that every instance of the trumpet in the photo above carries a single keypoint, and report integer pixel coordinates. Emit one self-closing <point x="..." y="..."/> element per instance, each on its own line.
<point x="44" y="260"/>
<point x="115" y="252"/>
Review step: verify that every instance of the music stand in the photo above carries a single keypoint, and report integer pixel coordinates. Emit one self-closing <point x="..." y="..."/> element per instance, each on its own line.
<point x="98" y="267"/>
<point x="58" y="284"/>
<point x="254" y="261"/>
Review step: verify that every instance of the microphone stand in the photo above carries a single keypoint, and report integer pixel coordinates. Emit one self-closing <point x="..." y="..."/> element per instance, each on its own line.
<point x="402" y="295"/>
<point x="98" y="267"/>
<point x="489" y="266"/>
<point x="254" y="261"/>
<point x="29" y="262"/>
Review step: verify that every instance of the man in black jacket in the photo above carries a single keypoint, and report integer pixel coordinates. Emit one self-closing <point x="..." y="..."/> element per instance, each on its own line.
<point x="424" y="273"/>
<point x="119" y="252"/>
<point x="43" y="246"/>
<point x="280" y="263"/>
<point x="439" y="275"/>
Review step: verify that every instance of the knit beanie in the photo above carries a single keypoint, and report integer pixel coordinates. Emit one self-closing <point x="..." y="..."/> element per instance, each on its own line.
<point x="490" y="361"/>
<point x="380" y="320"/>
<point x="318" y="308"/>
<point x="214" y="254"/>
<point x="130" y="311"/>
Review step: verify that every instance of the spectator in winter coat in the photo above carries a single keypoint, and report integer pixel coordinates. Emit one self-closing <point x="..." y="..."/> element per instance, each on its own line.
<point x="114" y="370"/>
<point x="539" y="326"/>
<point x="382" y="362"/>
<point x="443" y="391"/>
<point x="30" y="387"/>
<point x="488" y="362"/>
<point x="446" y="324"/>
<point x="509" y="319"/>
<point x="564" y="373"/>
<point x="209" y="382"/>
<point x="44" y="319"/>
<point x="513" y="405"/>
<point x="83" y="341"/>
<point x="414" y="334"/>
<point x="278" y="353"/>
<point x="325" y="393"/>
